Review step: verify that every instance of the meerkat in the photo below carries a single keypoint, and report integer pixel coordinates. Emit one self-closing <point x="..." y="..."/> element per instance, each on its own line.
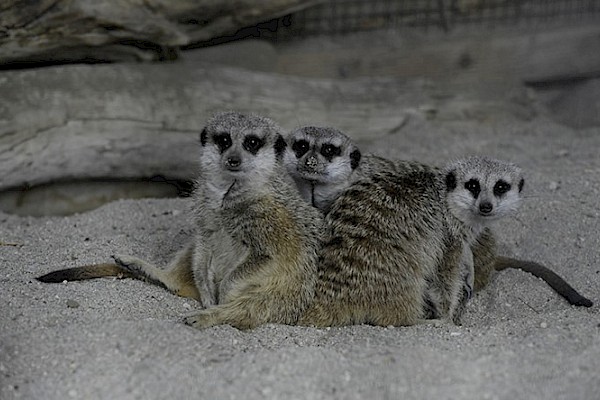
<point x="321" y="161"/>
<point x="480" y="191"/>
<point x="253" y="258"/>
<point x="384" y="247"/>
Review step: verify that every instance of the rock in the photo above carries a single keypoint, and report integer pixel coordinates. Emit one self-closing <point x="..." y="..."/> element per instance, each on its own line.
<point x="72" y="303"/>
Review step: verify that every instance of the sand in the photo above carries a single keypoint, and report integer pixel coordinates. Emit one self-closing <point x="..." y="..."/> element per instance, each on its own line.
<point x="124" y="339"/>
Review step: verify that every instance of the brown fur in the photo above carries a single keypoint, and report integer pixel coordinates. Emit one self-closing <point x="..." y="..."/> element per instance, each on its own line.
<point x="388" y="237"/>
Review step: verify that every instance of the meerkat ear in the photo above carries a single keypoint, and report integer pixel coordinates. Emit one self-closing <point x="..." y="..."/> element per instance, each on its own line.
<point x="203" y="137"/>
<point x="280" y="146"/>
<point x="521" y="183"/>
<point x="450" y="181"/>
<point x="355" y="158"/>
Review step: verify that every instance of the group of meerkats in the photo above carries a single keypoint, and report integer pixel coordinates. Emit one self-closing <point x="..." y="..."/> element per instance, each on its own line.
<point x="305" y="230"/>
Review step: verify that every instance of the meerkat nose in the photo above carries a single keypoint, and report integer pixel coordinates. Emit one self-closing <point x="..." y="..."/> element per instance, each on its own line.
<point x="311" y="161"/>
<point x="486" y="208"/>
<point x="233" y="163"/>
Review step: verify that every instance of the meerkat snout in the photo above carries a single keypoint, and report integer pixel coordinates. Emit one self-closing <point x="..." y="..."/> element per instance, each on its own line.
<point x="486" y="208"/>
<point x="312" y="162"/>
<point x="233" y="163"/>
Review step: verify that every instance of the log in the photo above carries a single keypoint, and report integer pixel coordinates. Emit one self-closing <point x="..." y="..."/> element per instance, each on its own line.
<point x="490" y="59"/>
<point x="85" y="122"/>
<point x="130" y="121"/>
<point x="91" y="30"/>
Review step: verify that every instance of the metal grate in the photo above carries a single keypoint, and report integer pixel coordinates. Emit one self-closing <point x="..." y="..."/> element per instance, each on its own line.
<point x="345" y="16"/>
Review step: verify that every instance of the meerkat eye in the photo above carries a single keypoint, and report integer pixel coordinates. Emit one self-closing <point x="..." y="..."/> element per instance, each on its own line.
<point x="223" y="141"/>
<point x="300" y="147"/>
<point x="501" y="187"/>
<point x="473" y="187"/>
<point x="329" y="151"/>
<point x="252" y="144"/>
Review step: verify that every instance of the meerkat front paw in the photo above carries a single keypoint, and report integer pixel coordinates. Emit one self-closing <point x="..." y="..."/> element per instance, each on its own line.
<point x="467" y="292"/>
<point x="125" y="261"/>
<point x="128" y="263"/>
<point x="200" y="320"/>
<point x="140" y="269"/>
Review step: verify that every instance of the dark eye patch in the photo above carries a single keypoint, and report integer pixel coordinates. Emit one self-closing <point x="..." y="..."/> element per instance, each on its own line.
<point x="450" y="181"/>
<point x="472" y="186"/>
<point x="300" y="147"/>
<point x="252" y="143"/>
<point x="355" y="158"/>
<point x="280" y="146"/>
<point x="223" y="141"/>
<point x="329" y="151"/>
<point x="501" y="187"/>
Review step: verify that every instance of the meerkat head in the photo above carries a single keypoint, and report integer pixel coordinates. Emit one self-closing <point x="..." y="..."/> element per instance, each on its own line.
<point x="238" y="147"/>
<point x="320" y="155"/>
<point x="481" y="190"/>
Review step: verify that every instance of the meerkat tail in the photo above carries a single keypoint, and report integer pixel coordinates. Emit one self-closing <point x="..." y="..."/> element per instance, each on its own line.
<point x="86" y="272"/>
<point x="95" y="271"/>
<point x="552" y="279"/>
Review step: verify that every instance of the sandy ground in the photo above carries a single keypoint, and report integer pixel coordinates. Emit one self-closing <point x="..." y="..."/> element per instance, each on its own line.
<point x="124" y="339"/>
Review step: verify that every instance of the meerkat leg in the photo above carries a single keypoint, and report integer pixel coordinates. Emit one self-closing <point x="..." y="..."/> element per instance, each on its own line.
<point x="430" y="303"/>
<point x="238" y="314"/>
<point x="455" y="280"/>
<point x="467" y="278"/>
<point x="177" y="277"/>
<point x="484" y="258"/>
<point x="246" y="311"/>
<point x="264" y="295"/>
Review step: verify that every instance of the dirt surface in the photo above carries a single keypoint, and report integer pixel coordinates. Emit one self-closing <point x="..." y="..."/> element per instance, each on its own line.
<point x="124" y="339"/>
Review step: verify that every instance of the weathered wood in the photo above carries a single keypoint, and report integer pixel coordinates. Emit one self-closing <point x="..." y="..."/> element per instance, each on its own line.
<point x="75" y="30"/>
<point x="492" y="58"/>
<point x="74" y="123"/>
<point x="129" y="121"/>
